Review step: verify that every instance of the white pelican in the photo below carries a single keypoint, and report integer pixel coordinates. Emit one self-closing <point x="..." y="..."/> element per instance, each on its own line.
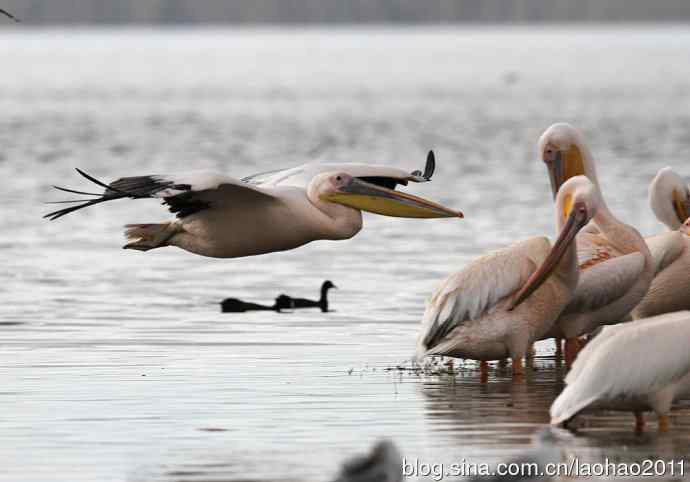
<point x="639" y="366"/>
<point x="502" y="302"/>
<point x="670" y="289"/>
<point x="616" y="265"/>
<point x="669" y="197"/>
<point x="223" y="217"/>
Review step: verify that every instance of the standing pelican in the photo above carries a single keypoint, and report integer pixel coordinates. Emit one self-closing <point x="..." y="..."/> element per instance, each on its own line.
<point x="616" y="265"/>
<point x="500" y="303"/>
<point x="223" y="217"/>
<point x="637" y="367"/>
<point x="669" y="198"/>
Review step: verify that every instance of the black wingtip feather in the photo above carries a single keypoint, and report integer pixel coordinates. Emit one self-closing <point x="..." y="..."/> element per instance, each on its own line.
<point x="107" y="196"/>
<point x="77" y="192"/>
<point x="137" y="187"/>
<point x="92" y="179"/>
<point x="9" y="15"/>
<point x="65" y="202"/>
<point x="61" y="212"/>
<point x="430" y="165"/>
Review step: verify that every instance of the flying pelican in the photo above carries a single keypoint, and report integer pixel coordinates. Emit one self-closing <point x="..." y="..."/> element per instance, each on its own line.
<point x="615" y="263"/>
<point x="669" y="292"/>
<point x="503" y="301"/>
<point x="223" y="217"/>
<point x="639" y="366"/>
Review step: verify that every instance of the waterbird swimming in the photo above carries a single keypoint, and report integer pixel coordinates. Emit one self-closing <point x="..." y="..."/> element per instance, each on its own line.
<point x="235" y="305"/>
<point x="322" y="303"/>
<point x="639" y="366"/>
<point x="223" y="217"/>
<point x="615" y="262"/>
<point x="503" y="301"/>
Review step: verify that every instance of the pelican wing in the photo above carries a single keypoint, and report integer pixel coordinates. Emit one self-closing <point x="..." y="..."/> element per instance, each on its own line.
<point x="183" y="194"/>
<point x="605" y="282"/>
<point x="665" y="249"/>
<point x="472" y="292"/>
<point x="301" y="176"/>
<point x="580" y="363"/>
<point x="621" y="364"/>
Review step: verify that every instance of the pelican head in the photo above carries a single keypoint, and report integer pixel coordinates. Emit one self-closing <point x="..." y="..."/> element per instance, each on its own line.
<point x="373" y="196"/>
<point x="563" y="150"/>
<point x="669" y="197"/>
<point x="577" y="202"/>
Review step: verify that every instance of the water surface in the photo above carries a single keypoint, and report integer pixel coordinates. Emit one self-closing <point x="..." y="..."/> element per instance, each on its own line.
<point x="117" y="365"/>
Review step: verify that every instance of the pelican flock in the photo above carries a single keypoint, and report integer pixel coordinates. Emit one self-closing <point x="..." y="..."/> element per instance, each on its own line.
<point x="224" y="217"/>
<point x="599" y="272"/>
<point x="616" y="264"/>
<point x="599" y="276"/>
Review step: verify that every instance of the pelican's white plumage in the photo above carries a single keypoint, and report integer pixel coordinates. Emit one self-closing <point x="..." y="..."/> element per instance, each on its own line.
<point x="669" y="197"/>
<point x="638" y="366"/>
<point x="500" y="303"/>
<point x="225" y="217"/>
<point x="670" y="289"/>
<point x="470" y="293"/>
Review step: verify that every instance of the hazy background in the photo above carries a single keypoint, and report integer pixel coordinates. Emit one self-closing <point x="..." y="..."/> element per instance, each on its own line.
<point x="343" y="11"/>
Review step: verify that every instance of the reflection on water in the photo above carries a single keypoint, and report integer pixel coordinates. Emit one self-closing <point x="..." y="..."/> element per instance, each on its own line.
<point x="118" y="365"/>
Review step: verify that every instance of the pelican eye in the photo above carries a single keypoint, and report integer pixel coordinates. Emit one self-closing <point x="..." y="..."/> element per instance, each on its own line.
<point x="581" y="209"/>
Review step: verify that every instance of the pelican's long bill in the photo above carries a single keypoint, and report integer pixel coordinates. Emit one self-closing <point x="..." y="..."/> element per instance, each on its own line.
<point x="681" y="206"/>
<point x="370" y="197"/>
<point x="575" y="222"/>
<point x="564" y="164"/>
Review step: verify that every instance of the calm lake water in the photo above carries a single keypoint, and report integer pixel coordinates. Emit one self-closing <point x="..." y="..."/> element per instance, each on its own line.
<point x="117" y="365"/>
